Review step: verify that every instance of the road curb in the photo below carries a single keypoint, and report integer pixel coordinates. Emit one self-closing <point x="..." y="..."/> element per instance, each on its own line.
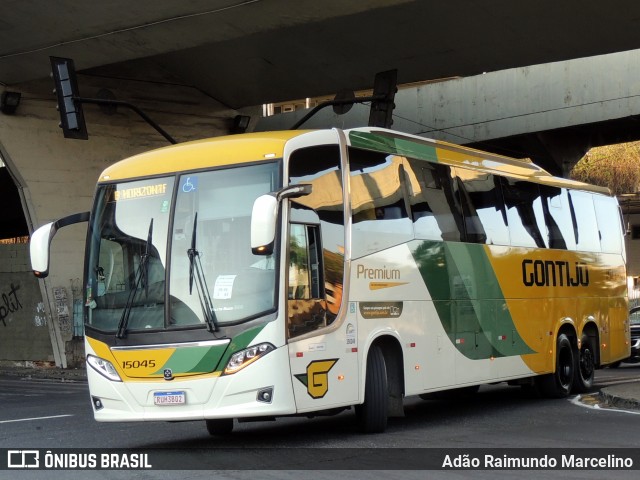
<point x="621" y="399"/>
<point x="57" y="374"/>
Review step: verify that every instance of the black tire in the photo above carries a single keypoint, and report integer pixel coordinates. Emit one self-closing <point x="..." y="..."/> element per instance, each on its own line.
<point x="559" y="383"/>
<point x="372" y="414"/>
<point x="585" y="365"/>
<point x="220" y="426"/>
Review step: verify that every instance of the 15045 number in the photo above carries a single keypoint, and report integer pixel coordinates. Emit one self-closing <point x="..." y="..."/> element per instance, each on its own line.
<point x="138" y="363"/>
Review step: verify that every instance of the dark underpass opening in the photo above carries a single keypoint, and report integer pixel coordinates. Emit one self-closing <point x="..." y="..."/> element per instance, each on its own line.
<point x="13" y="224"/>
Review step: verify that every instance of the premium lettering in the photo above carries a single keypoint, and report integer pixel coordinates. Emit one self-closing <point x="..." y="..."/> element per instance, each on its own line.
<point x="558" y="273"/>
<point x="378" y="273"/>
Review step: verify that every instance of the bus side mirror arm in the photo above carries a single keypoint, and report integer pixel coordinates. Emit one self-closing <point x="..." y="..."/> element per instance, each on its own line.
<point x="41" y="241"/>
<point x="265" y="215"/>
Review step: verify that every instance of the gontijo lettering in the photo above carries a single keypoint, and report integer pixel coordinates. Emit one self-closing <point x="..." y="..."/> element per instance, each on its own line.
<point x="550" y="273"/>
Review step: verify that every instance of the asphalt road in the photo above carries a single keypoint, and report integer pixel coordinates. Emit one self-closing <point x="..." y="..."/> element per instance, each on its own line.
<point x="53" y="414"/>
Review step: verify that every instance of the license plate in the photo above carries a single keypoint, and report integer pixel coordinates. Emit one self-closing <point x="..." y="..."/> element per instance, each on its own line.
<point x="169" y="398"/>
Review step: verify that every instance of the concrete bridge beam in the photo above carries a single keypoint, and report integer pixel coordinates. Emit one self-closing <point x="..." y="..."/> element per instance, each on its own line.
<point x="552" y="113"/>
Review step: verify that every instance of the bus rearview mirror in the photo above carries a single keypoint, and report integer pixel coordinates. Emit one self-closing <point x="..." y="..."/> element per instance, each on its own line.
<point x="263" y="224"/>
<point x="265" y="215"/>
<point x="41" y="241"/>
<point x="39" y="249"/>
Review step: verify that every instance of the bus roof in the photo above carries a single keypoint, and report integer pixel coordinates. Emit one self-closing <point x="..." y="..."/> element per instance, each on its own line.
<point x="252" y="147"/>
<point x="437" y="151"/>
<point x="218" y="151"/>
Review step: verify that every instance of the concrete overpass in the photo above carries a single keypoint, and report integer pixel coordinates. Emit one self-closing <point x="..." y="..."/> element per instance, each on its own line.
<point x="248" y="52"/>
<point x="552" y="113"/>
<point x="191" y="66"/>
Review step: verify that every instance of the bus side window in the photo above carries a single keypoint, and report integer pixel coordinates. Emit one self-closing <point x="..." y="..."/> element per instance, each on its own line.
<point x="307" y="306"/>
<point x="316" y="248"/>
<point x="435" y="210"/>
<point x="380" y="217"/>
<point x="304" y="266"/>
<point x="609" y="226"/>
<point x="482" y="207"/>
<point x="555" y="204"/>
<point x="586" y="229"/>
<point x="525" y="216"/>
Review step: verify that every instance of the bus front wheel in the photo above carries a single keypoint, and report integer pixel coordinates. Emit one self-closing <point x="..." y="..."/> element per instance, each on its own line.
<point x="559" y="383"/>
<point x="219" y="426"/>
<point x="372" y="414"/>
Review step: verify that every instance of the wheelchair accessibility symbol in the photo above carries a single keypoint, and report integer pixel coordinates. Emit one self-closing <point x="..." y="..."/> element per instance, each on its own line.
<point x="190" y="184"/>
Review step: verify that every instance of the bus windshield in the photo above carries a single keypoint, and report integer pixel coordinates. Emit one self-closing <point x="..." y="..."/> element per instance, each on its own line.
<point x="198" y="224"/>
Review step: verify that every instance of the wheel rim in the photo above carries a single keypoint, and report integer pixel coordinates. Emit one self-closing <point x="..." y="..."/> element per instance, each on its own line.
<point x="565" y="368"/>
<point x="586" y="363"/>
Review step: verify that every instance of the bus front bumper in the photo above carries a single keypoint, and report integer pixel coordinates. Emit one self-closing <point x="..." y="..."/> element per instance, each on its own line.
<point x="262" y="389"/>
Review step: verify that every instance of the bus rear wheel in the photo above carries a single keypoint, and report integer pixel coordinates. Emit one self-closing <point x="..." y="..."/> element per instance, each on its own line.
<point x="585" y="365"/>
<point x="559" y="383"/>
<point x="372" y="414"/>
<point x="219" y="426"/>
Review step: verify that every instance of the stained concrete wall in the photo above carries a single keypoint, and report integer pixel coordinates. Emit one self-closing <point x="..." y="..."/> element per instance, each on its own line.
<point x="57" y="176"/>
<point x="503" y="103"/>
<point x="554" y="97"/>
<point x="24" y="330"/>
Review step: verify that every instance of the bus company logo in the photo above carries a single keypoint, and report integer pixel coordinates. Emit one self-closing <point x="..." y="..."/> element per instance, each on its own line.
<point x="23" y="459"/>
<point x="317" y="377"/>
<point x="550" y="273"/>
<point x="168" y="374"/>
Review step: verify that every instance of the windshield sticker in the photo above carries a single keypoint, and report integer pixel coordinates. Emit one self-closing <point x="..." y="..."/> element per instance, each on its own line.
<point x="189" y="184"/>
<point x="223" y="288"/>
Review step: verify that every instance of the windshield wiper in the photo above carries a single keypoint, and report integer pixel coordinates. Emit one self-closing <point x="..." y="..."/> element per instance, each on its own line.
<point x="142" y="274"/>
<point x="195" y="267"/>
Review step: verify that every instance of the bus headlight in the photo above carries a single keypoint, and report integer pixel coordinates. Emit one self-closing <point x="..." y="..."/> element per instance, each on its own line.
<point x="104" y="368"/>
<point x="245" y="357"/>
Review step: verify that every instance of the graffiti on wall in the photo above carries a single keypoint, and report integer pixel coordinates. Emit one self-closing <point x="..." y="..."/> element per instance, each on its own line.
<point x="40" y="319"/>
<point x="62" y="309"/>
<point x="10" y="303"/>
<point x="25" y="318"/>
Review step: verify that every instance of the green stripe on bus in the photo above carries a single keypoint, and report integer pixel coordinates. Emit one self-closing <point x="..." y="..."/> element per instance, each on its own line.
<point x="382" y="142"/>
<point x="207" y="359"/>
<point x="468" y="298"/>
<point x="194" y="359"/>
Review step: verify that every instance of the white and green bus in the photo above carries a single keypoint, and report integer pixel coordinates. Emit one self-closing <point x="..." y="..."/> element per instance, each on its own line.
<point x="306" y="272"/>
